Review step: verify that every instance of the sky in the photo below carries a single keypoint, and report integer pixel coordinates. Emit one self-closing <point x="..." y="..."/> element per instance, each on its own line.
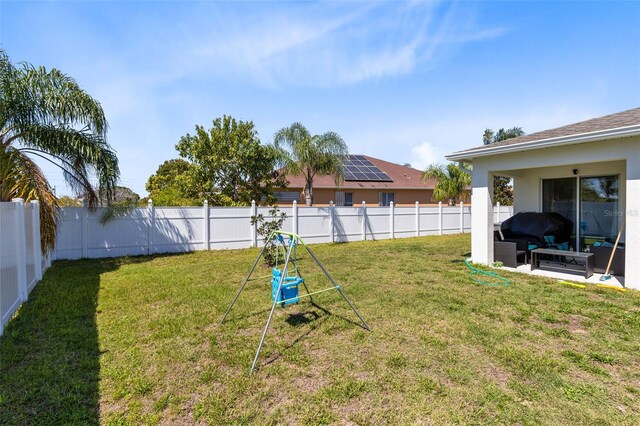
<point x="407" y="82"/>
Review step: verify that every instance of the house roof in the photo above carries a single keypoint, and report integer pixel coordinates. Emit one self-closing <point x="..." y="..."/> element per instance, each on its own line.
<point x="622" y="124"/>
<point x="402" y="178"/>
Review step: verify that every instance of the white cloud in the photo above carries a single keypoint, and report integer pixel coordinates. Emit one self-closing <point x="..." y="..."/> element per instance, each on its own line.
<point x="334" y="46"/>
<point x="423" y="155"/>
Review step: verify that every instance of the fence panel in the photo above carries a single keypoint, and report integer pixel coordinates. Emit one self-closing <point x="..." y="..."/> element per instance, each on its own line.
<point x="9" y="288"/>
<point x="405" y="222"/>
<point x="429" y="221"/>
<point x="29" y="244"/>
<point x="378" y="223"/>
<point x="467" y="218"/>
<point x="230" y="227"/>
<point x="20" y="258"/>
<point x="451" y="219"/>
<point x="122" y="236"/>
<point x="314" y="224"/>
<point x="347" y="224"/>
<point x="176" y="229"/>
<point x="69" y="237"/>
<point x="171" y="229"/>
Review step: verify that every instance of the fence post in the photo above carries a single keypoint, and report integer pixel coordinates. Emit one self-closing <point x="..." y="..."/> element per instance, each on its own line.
<point x="461" y="217"/>
<point x="364" y="221"/>
<point x="21" y="249"/>
<point x="392" y="230"/>
<point x="497" y="219"/>
<point x="84" y="218"/>
<point x="254" y="227"/>
<point x="207" y="238"/>
<point x="417" y="219"/>
<point x="151" y="216"/>
<point x="295" y="216"/>
<point x="439" y="217"/>
<point x="37" y="251"/>
<point x="331" y="230"/>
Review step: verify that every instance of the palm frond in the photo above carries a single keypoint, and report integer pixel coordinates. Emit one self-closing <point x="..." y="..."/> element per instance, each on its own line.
<point x="45" y="113"/>
<point x="452" y="182"/>
<point x="20" y="177"/>
<point x="53" y="98"/>
<point x="434" y="171"/>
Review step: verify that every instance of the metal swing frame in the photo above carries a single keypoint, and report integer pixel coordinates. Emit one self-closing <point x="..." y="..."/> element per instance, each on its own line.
<point x="294" y="241"/>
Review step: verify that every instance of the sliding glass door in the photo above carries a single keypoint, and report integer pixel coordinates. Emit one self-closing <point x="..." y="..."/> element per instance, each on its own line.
<point x="559" y="196"/>
<point x="591" y="203"/>
<point x="599" y="209"/>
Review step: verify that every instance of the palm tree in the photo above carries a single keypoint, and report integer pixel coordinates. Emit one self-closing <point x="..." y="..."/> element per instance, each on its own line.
<point x="502" y="189"/>
<point x="306" y="155"/>
<point x="46" y="115"/>
<point x="452" y="182"/>
<point x="489" y="136"/>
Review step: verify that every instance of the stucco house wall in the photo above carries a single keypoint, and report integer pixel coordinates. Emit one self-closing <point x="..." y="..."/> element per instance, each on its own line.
<point x="323" y="196"/>
<point x="527" y="186"/>
<point x="614" y="156"/>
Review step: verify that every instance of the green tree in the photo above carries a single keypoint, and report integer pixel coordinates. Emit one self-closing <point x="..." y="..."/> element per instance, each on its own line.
<point x="46" y="115"/>
<point x="453" y="183"/>
<point x="502" y="189"/>
<point x="121" y="195"/>
<point x="230" y="166"/>
<point x="171" y="185"/>
<point x="307" y="155"/>
<point x="67" y="201"/>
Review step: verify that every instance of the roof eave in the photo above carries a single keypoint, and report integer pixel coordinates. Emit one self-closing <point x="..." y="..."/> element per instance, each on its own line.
<point x="620" y="132"/>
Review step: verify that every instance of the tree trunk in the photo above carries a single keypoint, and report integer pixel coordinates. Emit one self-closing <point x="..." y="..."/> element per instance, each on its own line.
<point x="308" y="193"/>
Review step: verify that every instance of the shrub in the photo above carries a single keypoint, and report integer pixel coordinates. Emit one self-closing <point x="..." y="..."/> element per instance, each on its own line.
<point x="265" y="228"/>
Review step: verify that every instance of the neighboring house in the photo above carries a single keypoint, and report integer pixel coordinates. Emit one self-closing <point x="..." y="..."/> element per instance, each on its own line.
<point x="367" y="179"/>
<point x="588" y="171"/>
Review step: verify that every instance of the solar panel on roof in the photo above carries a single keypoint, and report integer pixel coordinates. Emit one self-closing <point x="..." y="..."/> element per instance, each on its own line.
<point x="358" y="167"/>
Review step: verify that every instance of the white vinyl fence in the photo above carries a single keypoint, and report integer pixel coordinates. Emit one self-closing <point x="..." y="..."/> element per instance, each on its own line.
<point x="181" y="229"/>
<point x="21" y="262"/>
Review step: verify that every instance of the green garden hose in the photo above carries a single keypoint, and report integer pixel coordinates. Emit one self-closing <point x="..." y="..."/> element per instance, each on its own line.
<point x="498" y="281"/>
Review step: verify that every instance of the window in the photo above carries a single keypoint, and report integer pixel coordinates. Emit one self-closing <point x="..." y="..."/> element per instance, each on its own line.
<point x="559" y="196"/>
<point x="385" y="198"/>
<point x="591" y="203"/>
<point x="599" y="209"/>
<point x="344" y="198"/>
<point x="287" y="196"/>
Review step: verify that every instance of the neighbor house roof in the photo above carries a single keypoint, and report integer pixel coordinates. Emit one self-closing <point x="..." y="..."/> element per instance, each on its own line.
<point x="622" y="124"/>
<point x="402" y="178"/>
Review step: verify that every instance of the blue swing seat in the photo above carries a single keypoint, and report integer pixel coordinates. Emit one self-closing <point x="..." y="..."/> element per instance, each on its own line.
<point x="289" y="289"/>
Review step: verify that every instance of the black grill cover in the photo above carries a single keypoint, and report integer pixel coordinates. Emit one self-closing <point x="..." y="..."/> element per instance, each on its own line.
<point x="538" y="225"/>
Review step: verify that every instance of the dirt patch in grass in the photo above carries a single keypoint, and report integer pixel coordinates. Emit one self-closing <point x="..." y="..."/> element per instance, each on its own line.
<point x="497" y="374"/>
<point x="575" y="326"/>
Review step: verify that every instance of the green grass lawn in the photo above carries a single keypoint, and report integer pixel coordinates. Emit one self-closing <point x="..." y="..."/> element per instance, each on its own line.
<point x="136" y="340"/>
